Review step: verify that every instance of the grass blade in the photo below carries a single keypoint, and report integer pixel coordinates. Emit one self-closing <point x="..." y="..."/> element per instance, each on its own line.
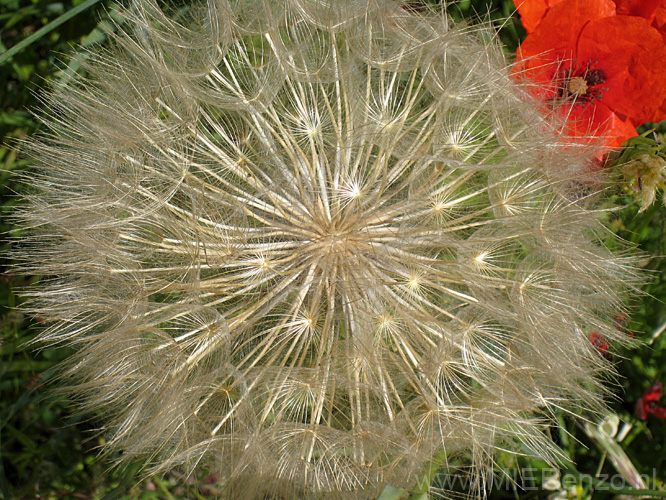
<point x="46" y="29"/>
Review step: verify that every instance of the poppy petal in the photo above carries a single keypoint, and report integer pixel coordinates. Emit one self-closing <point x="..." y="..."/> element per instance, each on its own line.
<point x="659" y="412"/>
<point x="641" y="409"/>
<point x="659" y="22"/>
<point x="642" y="8"/>
<point x="555" y="37"/>
<point x="630" y="53"/>
<point x="597" y="122"/>
<point x="533" y="11"/>
<point x="654" y="393"/>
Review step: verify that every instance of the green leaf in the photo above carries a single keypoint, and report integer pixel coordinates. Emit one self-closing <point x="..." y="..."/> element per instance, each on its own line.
<point x="392" y="493"/>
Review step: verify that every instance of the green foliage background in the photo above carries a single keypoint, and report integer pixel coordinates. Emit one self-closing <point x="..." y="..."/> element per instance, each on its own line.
<point x="47" y="451"/>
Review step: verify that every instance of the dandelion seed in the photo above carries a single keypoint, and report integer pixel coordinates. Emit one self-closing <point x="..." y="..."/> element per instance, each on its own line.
<point x="310" y="247"/>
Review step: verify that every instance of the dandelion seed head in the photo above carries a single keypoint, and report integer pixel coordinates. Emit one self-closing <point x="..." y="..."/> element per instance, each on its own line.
<point x="309" y="246"/>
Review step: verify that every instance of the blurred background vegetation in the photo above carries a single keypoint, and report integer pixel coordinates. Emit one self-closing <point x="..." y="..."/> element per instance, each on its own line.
<point x="47" y="451"/>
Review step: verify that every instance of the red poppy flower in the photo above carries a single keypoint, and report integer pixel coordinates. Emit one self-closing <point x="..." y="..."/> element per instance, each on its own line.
<point x="660" y="20"/>
<point x="642" y="8"/>
<point x="619" y="321"/>
<point x="603" y="73"/>
<point x="533" y="11"/>
<point x="649" y="403"/>
<point x="659" y="23"/>
<point x="599" y="342"/>
<point x="654" y="11"/>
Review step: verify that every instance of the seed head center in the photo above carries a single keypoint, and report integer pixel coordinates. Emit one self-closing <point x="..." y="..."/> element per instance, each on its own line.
<point x="336" y="240"/>
<point x="341" y="236"/>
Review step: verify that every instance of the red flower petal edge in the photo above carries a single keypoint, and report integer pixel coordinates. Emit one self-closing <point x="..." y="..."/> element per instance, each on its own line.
<point x="648" y="404"/>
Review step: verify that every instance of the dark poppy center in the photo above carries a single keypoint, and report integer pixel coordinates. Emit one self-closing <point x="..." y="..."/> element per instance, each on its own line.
<point x="582" y="84"/>
<point x="594" y="77"/>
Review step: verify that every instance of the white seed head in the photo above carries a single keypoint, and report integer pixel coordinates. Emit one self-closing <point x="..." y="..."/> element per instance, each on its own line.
<point x="311" y="245"/>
